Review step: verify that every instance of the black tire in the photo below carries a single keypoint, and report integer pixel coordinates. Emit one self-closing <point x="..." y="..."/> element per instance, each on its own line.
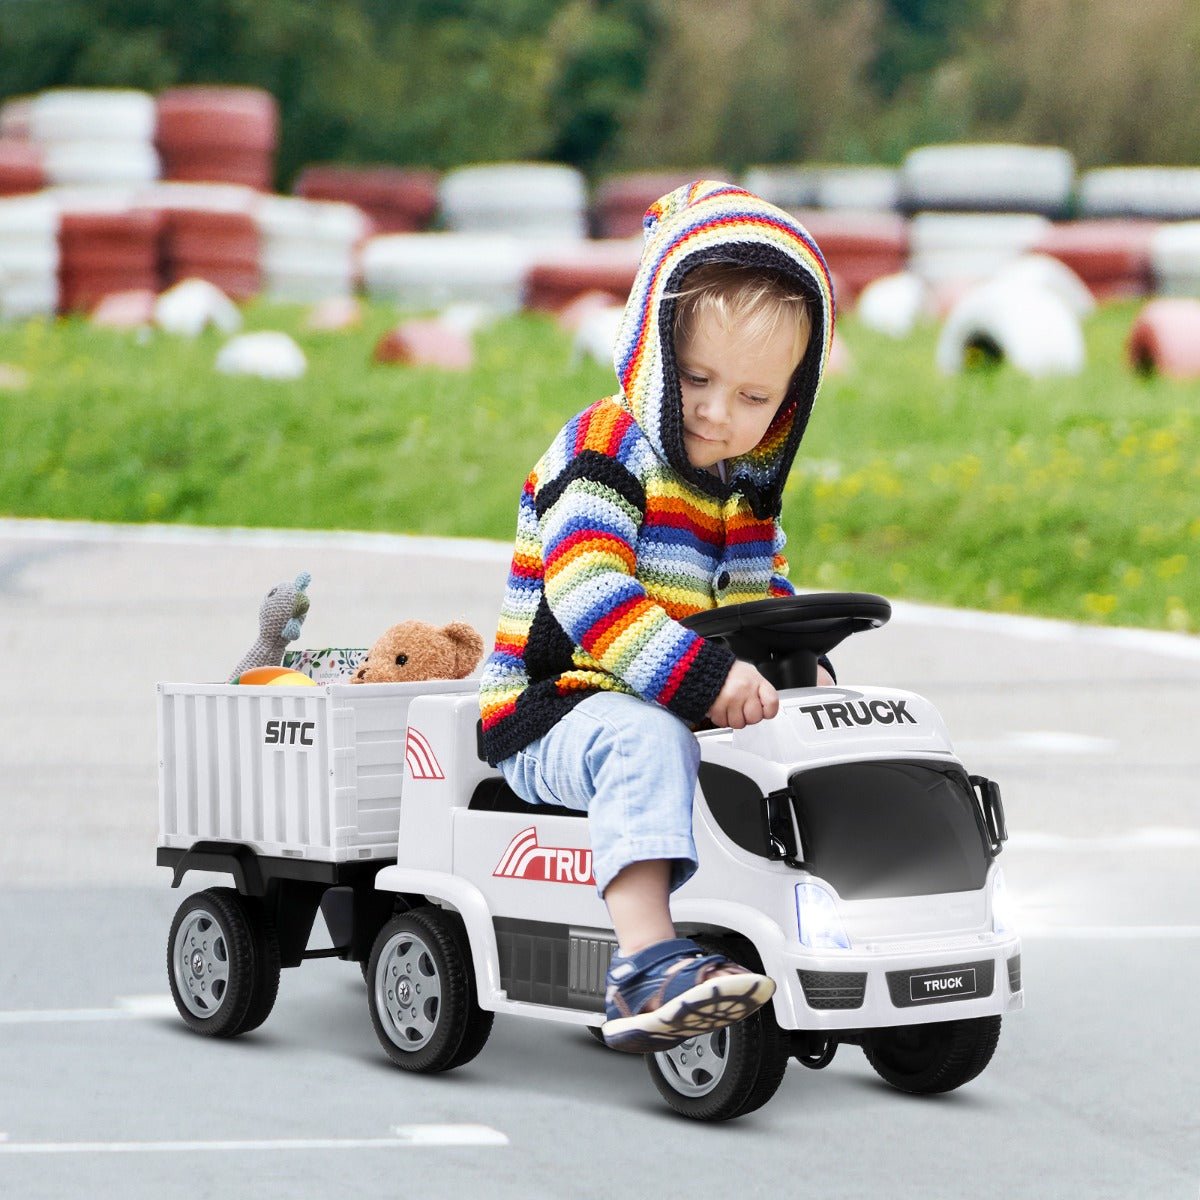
<point x="928" y="1059"/>
<point x="728" y="1073"/>
<point x="421" y="992"/>
<point x="222" y="963"/>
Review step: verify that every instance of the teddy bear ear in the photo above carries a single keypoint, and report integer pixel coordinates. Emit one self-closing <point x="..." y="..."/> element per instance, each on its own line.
<point x="468" y="647"/>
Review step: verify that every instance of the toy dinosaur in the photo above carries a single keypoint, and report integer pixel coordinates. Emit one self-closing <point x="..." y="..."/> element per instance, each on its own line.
<point x="279" y="619"/>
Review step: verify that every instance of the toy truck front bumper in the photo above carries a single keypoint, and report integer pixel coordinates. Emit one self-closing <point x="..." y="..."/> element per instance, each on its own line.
<point x="911" y="984"/>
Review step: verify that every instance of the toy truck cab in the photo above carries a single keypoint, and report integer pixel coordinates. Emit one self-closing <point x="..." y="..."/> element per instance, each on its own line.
<point x="842" y="847"/>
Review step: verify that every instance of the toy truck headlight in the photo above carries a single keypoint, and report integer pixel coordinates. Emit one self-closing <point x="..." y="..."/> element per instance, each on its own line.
<point x="817" y="919"/>
<point x="1002" y="910"/>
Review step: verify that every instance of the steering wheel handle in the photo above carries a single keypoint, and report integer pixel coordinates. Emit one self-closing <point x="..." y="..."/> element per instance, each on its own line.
<point x="784" y="636"/>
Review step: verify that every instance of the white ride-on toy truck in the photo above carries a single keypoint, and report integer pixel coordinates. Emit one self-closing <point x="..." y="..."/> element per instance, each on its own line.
<point x="843" y="849"/>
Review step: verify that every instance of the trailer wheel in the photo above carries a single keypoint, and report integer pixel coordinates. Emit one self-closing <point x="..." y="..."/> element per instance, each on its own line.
<point x="222" y="963"/>
<point x="730" y="1072"/>
<point x="928" y="1059"/>
<point x="421" y="989"/>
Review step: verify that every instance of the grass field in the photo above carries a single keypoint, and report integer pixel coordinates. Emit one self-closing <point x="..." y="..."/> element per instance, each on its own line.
<point x="1078" y="498"/>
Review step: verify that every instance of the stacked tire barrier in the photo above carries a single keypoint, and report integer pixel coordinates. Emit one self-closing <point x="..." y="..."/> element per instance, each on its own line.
<point x="959" y="248"/>
<point x="309" y="248"/>
<point x="542" y="200"/>
<point x="101" y="254"/>
<point x="28" y="257"/>
<point x="608" y="266"/>
<point x="857" y="189"/>
<point x="1112" y="257"/>
<point x="95" y="135"/>
<point x="1175" y="259"/>
<point x="432" y="270"/>
<point x="396" y="200"/>
<point x="1151" y="193"/>
<point x="21" y="169"/>
<point x="218" y="135"/>
<point x="209" y="232"/>
<point x="790" y="188"/>
<point x="620" y="202"/>
<point x="858" y="246"/>
<point x="987" y="178"/>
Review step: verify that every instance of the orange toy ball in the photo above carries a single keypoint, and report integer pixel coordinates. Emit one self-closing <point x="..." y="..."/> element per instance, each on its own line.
<point x="274" y="677"/>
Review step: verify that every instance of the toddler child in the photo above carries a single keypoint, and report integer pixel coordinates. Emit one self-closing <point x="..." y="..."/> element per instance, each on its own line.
<point x="650" y="505"/>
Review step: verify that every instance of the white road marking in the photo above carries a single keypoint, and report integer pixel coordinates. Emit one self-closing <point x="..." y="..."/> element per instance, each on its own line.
<point x="1116" y="933"/>
<point x="402" y="1137"/>
<point x="1042" y="742"/>
<point x="1151" y="837"/>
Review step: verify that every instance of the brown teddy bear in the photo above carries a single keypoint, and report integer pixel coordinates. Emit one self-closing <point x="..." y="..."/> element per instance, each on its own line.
<point x="416" y="650"/>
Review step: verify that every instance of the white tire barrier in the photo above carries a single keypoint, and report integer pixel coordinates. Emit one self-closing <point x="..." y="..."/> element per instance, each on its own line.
<point x="1156" y="193"/>
<point x="596" y="337"/>
<point x="857" y="189"/>
<point x="1165" y="339"/>
<point x="988" y="178"/>
<point x="29" y="257"/>
<point x="431" y="270"/>
<point x="955" y="248"/>
<point x="85" y="115"/>
<point x="1175" y="259"/>
<point x="523" y="199"/>
<point x="1029" y="328"/>
<point x="309" y="247"/>
<point x="789" y="188"/>
<point x="1043" y="273"/>
<point x="265" y="355"/>
<point x="95" y="135"/>
<point x="14" y="118"/>
<point x="193" y="306"/>
<point x="894" y="304"/>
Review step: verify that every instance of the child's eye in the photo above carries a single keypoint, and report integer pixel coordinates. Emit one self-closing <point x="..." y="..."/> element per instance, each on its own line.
<point x="694" y="380"/>
<point x="756" y="399"/>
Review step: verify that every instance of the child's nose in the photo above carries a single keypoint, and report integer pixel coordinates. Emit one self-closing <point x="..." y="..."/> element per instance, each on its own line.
<point x="715" y="408"/>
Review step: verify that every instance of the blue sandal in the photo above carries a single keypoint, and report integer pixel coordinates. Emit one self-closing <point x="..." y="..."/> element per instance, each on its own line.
<point x="672" y="991"/>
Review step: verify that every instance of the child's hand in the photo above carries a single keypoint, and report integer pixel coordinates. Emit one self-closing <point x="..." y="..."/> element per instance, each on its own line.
<point x="745" y="698"/>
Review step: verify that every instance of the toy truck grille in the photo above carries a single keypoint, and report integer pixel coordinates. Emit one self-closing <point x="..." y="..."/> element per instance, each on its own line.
<point x="302" y="772"/>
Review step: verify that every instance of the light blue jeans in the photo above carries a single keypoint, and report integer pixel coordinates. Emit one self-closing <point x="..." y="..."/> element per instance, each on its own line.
<point x="632" y="767"/>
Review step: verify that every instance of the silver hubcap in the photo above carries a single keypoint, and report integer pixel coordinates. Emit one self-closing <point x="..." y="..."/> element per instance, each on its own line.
<point x="695" y="1067"/>
<point x="201" y="962"/>
<point x="408" y="991"/>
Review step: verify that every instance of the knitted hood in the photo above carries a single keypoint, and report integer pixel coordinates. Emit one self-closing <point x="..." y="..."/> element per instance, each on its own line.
<point x="706" y="222"/>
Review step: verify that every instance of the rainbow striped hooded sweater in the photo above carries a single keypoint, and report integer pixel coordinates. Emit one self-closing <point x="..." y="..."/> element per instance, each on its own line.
<point x="619" y="537"/>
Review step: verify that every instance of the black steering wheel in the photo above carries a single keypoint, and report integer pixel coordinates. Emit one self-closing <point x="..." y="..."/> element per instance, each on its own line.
<point x="784" y="636"/>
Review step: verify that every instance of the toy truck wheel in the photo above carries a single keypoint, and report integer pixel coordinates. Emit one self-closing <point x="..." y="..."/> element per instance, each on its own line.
<point x="927" y="1059"/>
<point x="222" y="963"/>
<point x="730" y="1072"/>
<point x="421" y="989"/>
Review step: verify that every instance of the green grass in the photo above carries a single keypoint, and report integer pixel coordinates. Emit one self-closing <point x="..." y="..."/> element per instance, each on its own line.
<point x="1077" y="498"/>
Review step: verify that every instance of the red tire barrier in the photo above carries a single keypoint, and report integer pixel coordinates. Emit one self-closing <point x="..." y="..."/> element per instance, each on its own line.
<point x="550" y="287"/>
<point x="21" y="168"/>
<point x="397" y="200"/>
<point x="218" y="134"/>
<point x="858" y="247"/>
<point x="621" y="201"/>
<point x="1111" y="257"/>
<point x="104" y="253"/>
<point x="1165" y="339"/>
<point x="221" y="247"/>
<point x="426" y="344"/>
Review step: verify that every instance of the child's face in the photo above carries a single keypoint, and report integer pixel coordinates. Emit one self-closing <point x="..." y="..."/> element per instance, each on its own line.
<point x="732" y="387"/>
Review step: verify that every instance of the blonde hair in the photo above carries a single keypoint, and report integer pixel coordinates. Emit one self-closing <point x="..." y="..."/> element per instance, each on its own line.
<point x="750" y="299"/>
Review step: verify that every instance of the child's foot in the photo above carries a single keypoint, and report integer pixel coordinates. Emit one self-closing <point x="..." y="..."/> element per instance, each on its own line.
<point x="672" y="991"/>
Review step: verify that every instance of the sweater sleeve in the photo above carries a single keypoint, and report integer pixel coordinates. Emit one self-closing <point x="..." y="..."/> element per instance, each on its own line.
<point x="589" y="518"/>
<point x="780" y="585"/>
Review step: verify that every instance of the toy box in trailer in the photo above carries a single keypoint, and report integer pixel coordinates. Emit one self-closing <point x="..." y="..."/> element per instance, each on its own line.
<point x="295" y="792"/>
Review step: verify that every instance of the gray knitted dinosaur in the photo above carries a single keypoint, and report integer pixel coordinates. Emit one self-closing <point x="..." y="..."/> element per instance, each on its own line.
<point x="279" y="619"/>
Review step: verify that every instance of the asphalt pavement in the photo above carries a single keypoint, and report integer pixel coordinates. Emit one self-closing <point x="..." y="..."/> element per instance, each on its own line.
<point x="103" y="1093"/>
